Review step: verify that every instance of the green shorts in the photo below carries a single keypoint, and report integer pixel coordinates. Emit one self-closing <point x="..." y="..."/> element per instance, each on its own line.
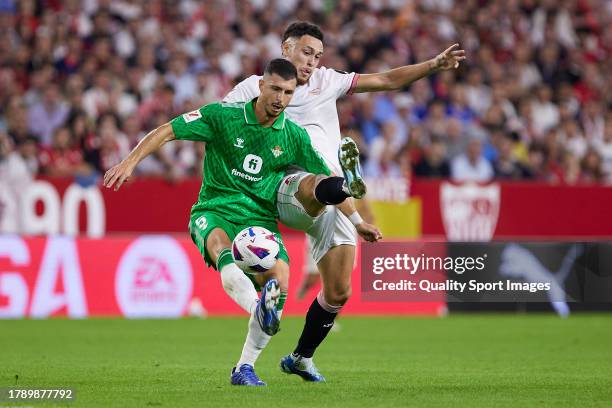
<point x="201" y="224"/>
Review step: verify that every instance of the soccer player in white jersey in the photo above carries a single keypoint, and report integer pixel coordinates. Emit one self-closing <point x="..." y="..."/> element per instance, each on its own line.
<point x="313" y="107"/>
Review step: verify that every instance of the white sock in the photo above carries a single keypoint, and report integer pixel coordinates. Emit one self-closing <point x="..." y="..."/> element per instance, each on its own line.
<point x="255" y="342"/>
<point x="239" y="287"/>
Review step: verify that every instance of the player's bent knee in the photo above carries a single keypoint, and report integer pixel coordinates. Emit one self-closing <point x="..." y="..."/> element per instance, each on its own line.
<point x="338" y="296"/>
<point x="306" y="195"/>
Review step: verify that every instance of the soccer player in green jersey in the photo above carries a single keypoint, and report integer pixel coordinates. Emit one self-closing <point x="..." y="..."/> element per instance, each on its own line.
<point x="249" y="148"/>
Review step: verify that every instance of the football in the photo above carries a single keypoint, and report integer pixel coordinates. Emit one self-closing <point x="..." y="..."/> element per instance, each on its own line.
<point x="255" y="249"/>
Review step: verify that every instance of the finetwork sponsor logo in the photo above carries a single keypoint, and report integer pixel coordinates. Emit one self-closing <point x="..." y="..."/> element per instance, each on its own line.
<point x="252" y="163"/>
<point x="245" y="176"/>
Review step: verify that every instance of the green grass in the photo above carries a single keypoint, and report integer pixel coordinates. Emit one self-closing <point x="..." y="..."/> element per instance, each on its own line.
<point x="463" y="361"/>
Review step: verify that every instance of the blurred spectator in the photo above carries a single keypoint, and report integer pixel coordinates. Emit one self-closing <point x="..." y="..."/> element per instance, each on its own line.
<point x="591" y="167"/>
<point x="536" y="162"/>
<point x="384" y="149"/>
<point x="434" y="163"/>
<point x="48" y="114"/>
<point x="13" y="168"/>
<point x="96" y="100"/>
<point x="160" y="102"/>
<point x="471" y="165"/>
<point x="62" y="158"/>
<point x="506" y="166"/>
<point x="545" y="114"/>
<point x="436" y="123"/>
<point x="183" y="82"/>
<point x="536" y="69"/>
<point x="571" y="172"/>
<point x="604" y="147"/>
<point x="593" y="120"/>
<point x="455" y="138"/>
<point x="14" y="176"/>
<point x="572" y="138"/>
<point x="369" y="125"/>
<point x="114" y="145"/>
<point x="458" y="107"/>
<point x="84" y="137"/>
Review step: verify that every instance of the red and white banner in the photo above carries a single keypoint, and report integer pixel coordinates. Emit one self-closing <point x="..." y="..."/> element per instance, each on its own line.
<point x="137" y="276"/>
<point x="471" y="212"/>
<point x="457" y="212"/>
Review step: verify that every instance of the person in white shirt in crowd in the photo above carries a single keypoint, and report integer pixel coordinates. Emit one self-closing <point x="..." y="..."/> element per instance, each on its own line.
<point x="604" y="147"/>
<point x="14" y="178"/>
<point x="545" y="114"/>
<point x="471" y="165"/>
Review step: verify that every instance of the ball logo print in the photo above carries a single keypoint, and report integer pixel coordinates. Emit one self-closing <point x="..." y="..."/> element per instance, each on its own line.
<point x="154" y="278"/>
<point x="470" y="211"/>
<point x="252" y="164"/>
<point x="255" y="249"/>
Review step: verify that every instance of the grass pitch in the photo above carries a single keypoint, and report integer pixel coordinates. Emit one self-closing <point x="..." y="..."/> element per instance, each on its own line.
<point x="462" y="361"/>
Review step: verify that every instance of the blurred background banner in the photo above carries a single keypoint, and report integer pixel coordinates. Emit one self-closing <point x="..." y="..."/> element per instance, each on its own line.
<point x="434" y="208"/>
<point x="135" y="276"/>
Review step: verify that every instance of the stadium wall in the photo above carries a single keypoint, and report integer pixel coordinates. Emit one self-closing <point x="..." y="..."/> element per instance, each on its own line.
<point x="137" y="276"/>
<point x="457" y="212"/>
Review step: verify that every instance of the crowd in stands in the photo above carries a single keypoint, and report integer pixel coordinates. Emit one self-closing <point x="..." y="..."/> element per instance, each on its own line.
<point x="81" y="82"/>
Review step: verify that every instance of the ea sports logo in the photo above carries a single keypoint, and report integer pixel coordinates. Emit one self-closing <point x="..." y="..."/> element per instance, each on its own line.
<point x="252" y="164"/>
<point x="153" y="278"/>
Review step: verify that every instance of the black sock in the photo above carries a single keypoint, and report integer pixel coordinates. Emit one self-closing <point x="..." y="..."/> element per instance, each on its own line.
<point x="318" y="323"/>
<point x="329" y="191"/>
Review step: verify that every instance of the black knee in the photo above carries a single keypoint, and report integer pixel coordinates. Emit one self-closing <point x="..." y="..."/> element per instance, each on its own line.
<point x="329" y="191"/>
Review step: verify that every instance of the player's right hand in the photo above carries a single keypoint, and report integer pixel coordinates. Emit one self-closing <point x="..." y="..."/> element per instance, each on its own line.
<point x="368" y="232"/>
<point x="118" y="174"/>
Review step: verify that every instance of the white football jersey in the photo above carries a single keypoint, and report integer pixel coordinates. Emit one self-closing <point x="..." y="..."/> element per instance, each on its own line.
<point x="313" y="107"/>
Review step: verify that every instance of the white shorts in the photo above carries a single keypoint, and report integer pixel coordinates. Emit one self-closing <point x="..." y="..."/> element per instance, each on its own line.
<point x="329" y="229"/>
<point x="290" y="211"/>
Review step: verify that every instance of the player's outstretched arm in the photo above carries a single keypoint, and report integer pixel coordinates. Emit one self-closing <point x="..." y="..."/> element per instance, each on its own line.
<point x="118" y="174"/>
<point x="398" y="78"/>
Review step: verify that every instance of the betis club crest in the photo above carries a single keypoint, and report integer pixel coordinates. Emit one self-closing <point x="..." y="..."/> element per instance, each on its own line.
<point x="277" y="151"/>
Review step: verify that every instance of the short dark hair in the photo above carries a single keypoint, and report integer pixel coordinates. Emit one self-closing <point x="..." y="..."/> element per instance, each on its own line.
<point x="301" y="28"/>
<point x="282" y="67"/>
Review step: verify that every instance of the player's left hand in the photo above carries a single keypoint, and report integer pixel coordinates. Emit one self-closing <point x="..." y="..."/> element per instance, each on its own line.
<point x="450" y="58"/>
<point x="368" y="232"/>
